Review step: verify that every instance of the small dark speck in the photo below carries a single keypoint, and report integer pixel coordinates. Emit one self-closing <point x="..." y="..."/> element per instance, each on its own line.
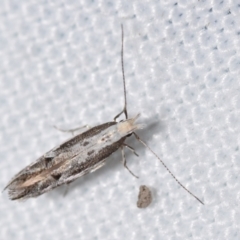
<point x="85" y="143"/>
<point x="145" y="37"/>
<point x="229" y="12"/>
<point x="56" y="176"/>
<point x="47" y="161"/>
<point x="210" y="10"/>
<point x="91" y="152"/>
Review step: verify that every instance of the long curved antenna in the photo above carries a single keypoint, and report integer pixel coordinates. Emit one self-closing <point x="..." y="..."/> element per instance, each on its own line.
<point x="124" y="83"/>
<point x="141" y="141"/>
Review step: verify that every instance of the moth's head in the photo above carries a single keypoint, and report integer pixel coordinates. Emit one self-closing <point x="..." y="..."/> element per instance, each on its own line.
<point x="126" y="127"/>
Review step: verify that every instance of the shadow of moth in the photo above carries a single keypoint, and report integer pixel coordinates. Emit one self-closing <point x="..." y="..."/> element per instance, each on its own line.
<point x="82" y="154"/>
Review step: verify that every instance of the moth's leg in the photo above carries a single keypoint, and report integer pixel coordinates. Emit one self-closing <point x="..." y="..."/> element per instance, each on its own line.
<point x="66" y="190"/>
<point x="123" y="111"/>
<point x="125" y="162"/>
<point x="72" y="130"/>
<point x="143" y="143"/>
<point x="67" y="187"/>
<point x="131" y="149"/>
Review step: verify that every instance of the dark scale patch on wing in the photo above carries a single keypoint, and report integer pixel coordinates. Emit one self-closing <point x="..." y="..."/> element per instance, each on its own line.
<point x="48" y="162"/>
<point x="85" y="143"/>
<point x="106" y="138"/>
<point x="90" y="152"/>
<point x="56" y="176"/>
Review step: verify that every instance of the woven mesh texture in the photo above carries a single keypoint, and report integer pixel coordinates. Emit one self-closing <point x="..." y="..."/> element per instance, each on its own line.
<point x="61" y="65"/>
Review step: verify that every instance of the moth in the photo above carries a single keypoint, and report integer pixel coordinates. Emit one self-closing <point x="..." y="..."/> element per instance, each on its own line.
<point x="82" y="154"/>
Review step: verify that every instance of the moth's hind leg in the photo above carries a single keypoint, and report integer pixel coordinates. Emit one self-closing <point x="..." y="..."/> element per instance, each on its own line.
<point x="124" y="159"/>
<point x="66" y="186"/>
<point x="72" y="130"/>
<point x="131" y="149"/>
<point x="66" y="190"/>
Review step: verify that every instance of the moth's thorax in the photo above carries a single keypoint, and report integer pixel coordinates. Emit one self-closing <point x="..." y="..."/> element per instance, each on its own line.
<point x="128" y="126"/>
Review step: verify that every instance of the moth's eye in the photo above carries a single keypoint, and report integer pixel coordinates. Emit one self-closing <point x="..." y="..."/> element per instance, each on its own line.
<point x="129" y="134"/>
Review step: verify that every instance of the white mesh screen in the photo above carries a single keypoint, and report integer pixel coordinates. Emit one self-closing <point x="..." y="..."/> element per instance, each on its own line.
<point x="61" y="65"/>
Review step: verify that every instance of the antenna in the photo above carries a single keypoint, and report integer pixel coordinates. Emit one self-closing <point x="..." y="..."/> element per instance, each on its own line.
<point x="141" y="141"/>
<point x="136" y="136"/>
<point x="124" y="82"/>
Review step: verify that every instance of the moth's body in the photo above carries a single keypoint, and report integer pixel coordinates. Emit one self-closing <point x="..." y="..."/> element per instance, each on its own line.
<point x="74" y="158"/>
<point x="78" y="156"/>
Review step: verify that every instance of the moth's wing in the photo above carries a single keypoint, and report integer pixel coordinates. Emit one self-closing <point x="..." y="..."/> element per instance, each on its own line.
<point x="62" y="165"/>
<point x="62" y="173"/>
<point x="35" y="179"/>
<point x="79" y="171"/>
<point x="53" y="169"/>
<point x="46" y="161"/>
